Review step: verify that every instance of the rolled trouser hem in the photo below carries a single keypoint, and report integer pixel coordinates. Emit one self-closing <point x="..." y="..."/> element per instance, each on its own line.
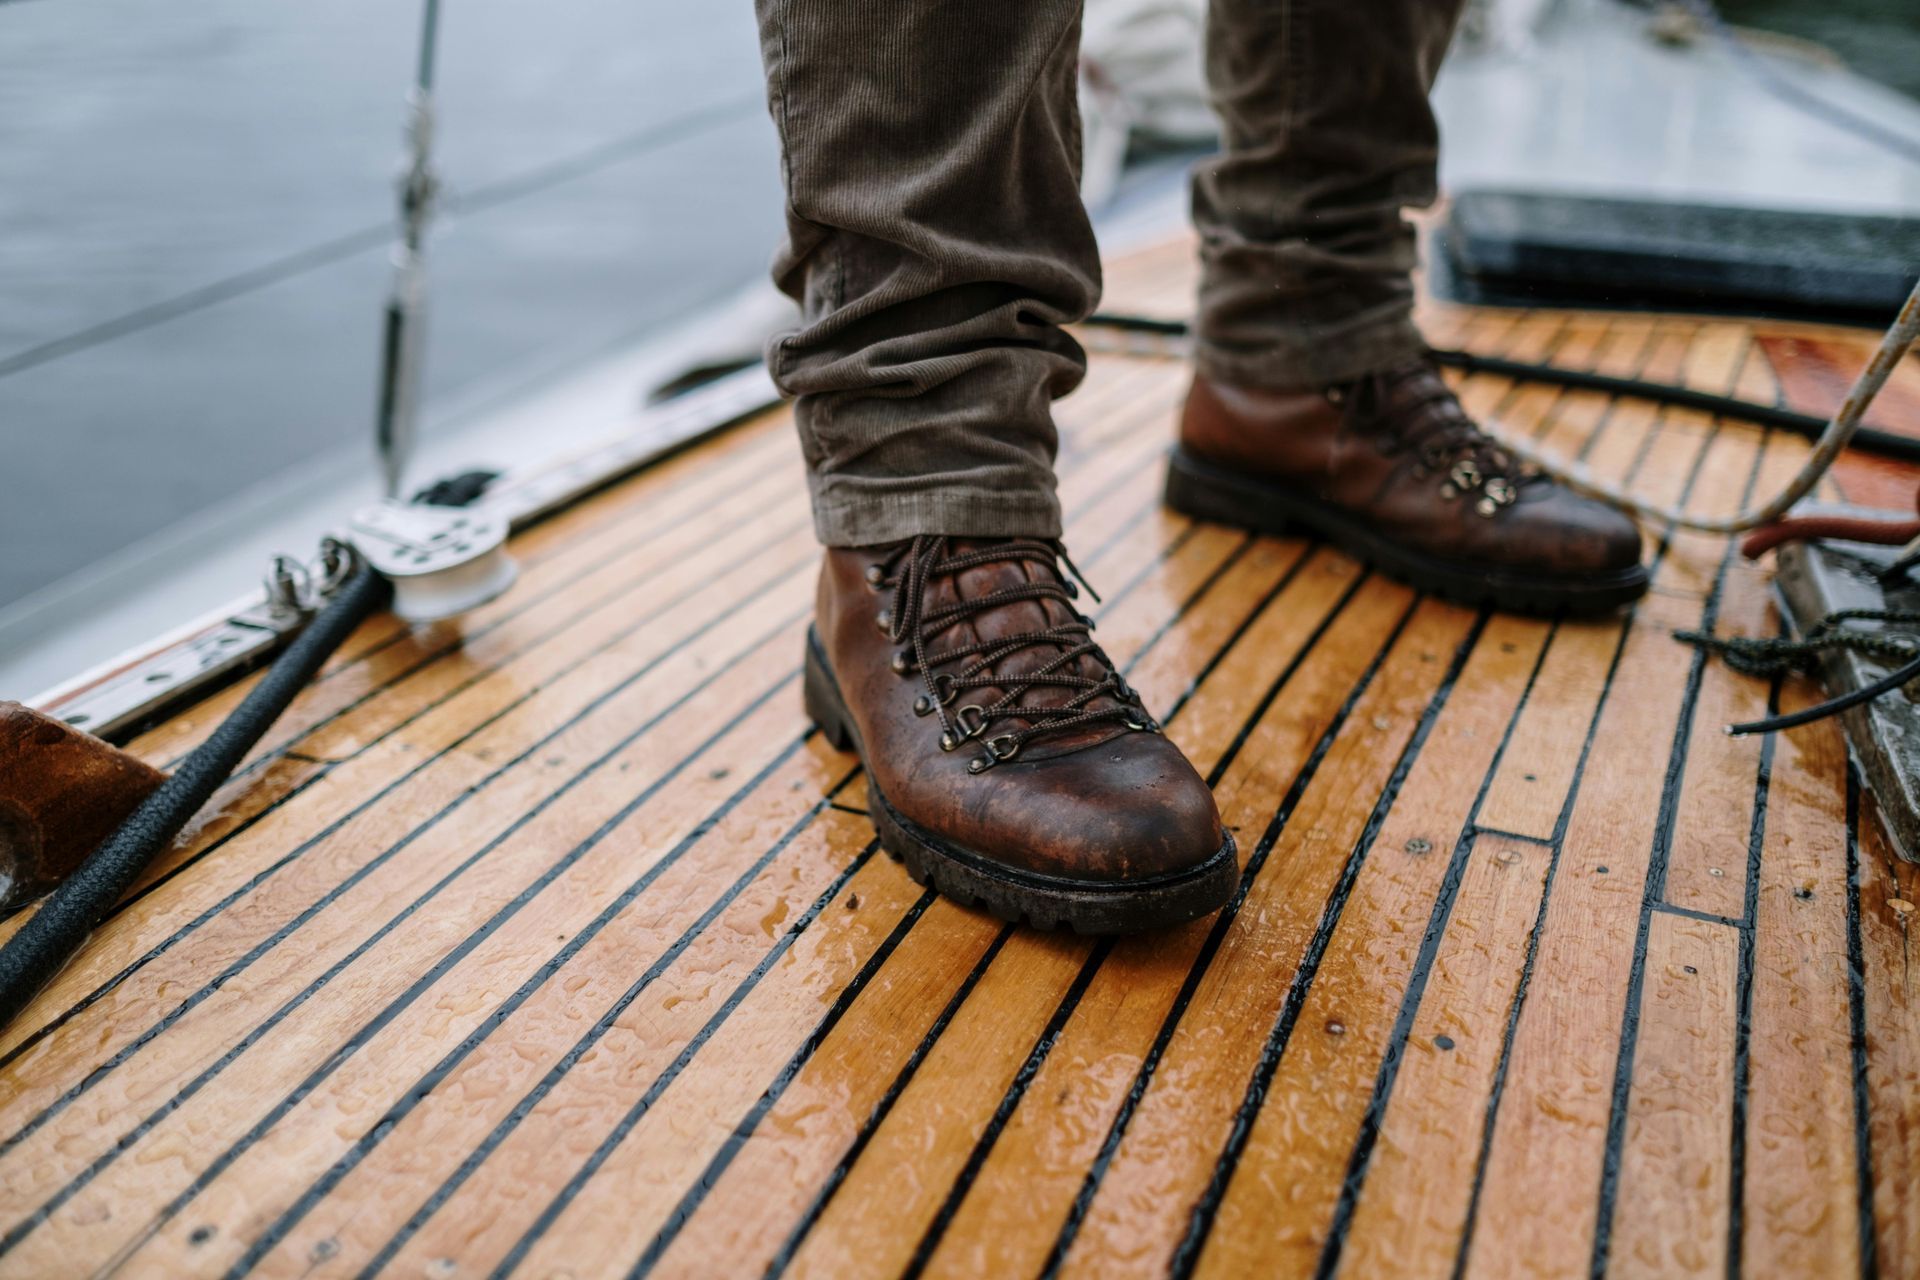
<point x="1295" y="364"/>
<point x="962" y="513"/>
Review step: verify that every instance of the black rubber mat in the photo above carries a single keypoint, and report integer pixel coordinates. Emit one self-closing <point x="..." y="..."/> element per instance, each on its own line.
<point x="1527" y="247"/>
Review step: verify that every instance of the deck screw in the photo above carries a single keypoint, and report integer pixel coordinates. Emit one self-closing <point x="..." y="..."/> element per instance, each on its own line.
<point x="1418" y="846"/>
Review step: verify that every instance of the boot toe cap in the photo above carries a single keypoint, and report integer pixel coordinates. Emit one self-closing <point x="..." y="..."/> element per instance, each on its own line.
<point x="1127" y="810"/>
<point x="1576" y="535"/>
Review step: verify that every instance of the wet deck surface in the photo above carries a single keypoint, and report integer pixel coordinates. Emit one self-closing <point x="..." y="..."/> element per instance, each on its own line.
<point x="561" y="946"/>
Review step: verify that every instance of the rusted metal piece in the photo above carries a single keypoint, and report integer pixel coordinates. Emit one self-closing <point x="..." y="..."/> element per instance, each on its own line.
<point x="62" y="792"/>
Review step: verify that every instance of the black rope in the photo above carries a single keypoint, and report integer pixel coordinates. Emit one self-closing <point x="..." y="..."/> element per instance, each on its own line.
<point x="1867" y="439"/>
<point x="34" y="955"/>
<point x="1769" y="656"/>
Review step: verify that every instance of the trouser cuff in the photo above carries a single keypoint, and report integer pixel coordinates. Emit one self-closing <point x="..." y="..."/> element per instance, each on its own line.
<point x="856" y="520"/>
<point x="1302" y="362"/>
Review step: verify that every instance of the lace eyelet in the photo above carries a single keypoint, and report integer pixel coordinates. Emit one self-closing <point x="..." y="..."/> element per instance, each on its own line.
<point x="884" y="621"/>
<point x="1498" y="492"/>
<point x="970" y="720"/>
<point x="996" y="753"/>
<point x="902" y="663"/>
<point x="876" y="576"/>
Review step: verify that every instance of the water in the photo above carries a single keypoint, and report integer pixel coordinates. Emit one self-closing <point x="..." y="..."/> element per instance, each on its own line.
<point x="609" y="166"/>
<point x="1879" y="39"/>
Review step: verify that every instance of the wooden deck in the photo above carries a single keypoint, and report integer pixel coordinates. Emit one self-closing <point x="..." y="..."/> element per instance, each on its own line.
<point x="561" y="946"/>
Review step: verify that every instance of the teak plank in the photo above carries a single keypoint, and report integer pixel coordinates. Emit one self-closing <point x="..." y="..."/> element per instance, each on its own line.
<point x="1221" y="545"/>
<point x="363" y="811"/>
<point x="1005" y="1221"/>
<point x="1800" y="1183"/>
<point x="1888" y="995"/>
<point x="1538" y="1205"/>
<point x="1707" y="867"/>
<point x="1278" y="1209"/>
<point x="877" y="1216"/>
<point x="1675" y="1165"/>
<point x="1412" y="1206"/>
<point x="357" y="1097"/>
<point x="488" y="908"/>
<point x="1166" y="1156"/>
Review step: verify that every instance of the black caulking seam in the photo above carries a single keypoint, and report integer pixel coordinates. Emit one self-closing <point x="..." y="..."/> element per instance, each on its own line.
<point x="1072" y="998"/>
<point x="432" y="1079"/>
<point x="1857" y="1016"/>
<point x="1498" y="1091"/>
<point x="1143" y="1078"/>
<point x="1742" y="1026"/>
<point x="493" y="1140"/>
<point x="1688" y="913"/>
<point x="1655" y="888"/>
<point x="1360" y="1158"/>
<point x="716" y="1167"/>
<point x="186" y="1092"/>
<point x="997" y="1123"/>
<point x="1186" y="1254"/>
<point x="1495" y="833"/>
<point x="565" y="1196"/>
<point x="593" y="1035"/>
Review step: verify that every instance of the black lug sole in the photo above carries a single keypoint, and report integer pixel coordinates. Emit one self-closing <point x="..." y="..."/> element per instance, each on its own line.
<point x="1207" y="492"/>
<point x="1008" y="893"/>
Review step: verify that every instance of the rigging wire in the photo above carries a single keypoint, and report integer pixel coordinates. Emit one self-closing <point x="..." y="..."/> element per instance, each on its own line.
<point x="478" y="199"/>
<point x="1808" y="104"/>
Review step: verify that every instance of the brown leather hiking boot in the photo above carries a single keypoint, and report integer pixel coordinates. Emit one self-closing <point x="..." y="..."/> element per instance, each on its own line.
<point x="1008" y="763"/>
<point x="1391" y="469"/>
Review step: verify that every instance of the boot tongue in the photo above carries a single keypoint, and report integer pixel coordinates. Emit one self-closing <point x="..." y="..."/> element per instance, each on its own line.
<point x="1018" y="617"/>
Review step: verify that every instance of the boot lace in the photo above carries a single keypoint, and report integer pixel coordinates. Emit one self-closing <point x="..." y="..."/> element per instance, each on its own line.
<point x="1429" y="421"/>
<point x="909" y="570"/>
